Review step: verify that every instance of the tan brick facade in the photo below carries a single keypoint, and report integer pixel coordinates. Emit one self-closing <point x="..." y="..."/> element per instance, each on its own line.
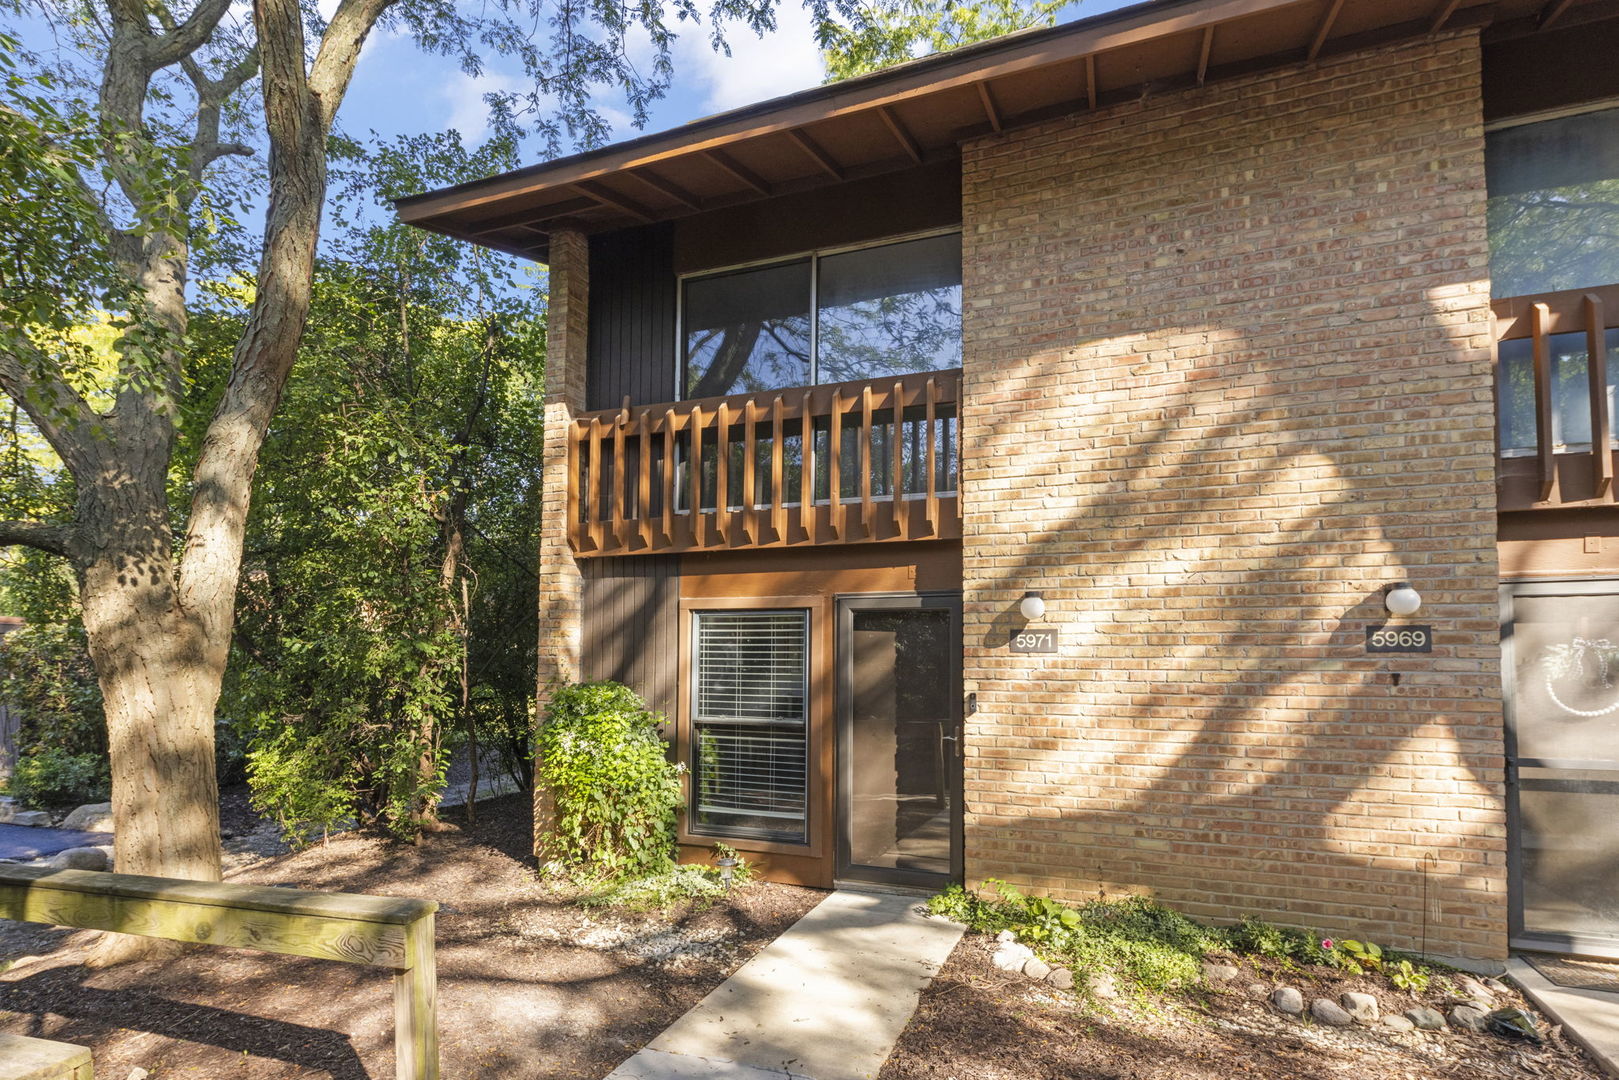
<point x="1228" y="375"/>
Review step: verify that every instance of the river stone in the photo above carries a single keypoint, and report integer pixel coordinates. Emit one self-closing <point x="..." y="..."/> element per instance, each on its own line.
<point x="1011" y="957"/>
<point x="36" y="818"/>
<point x="1473" y="989"/>
<point x="1102" y="986"/>
<point x="1467" y="1018"/>
<point x="1218" y="974"/>
<point x="1287" y="999"/>
<point x="1061" y="978"/>
<point x="1398" y="1023"/>
<point x="1361" y="1007"/>
<point x="1036" y="968"/>
<point x="79" y="858"/>
<point x="1425" y="1018"/>
<point x="1259" y="991"/>
<point x="1005" y="937"/>
<point x="91" y="817"/>
<point x="1328" y="1012"/>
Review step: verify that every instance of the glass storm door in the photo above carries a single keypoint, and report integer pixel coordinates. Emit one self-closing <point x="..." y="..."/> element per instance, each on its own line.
<point x="1562" y="667"/>
<point x="899" y="739"/>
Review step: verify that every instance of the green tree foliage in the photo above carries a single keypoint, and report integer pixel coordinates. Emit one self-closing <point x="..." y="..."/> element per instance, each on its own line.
<point x="889" y="34"/>
<point x="49" y="685"/>
<point x="614" y="792"/>
<point x="386" y="551"/>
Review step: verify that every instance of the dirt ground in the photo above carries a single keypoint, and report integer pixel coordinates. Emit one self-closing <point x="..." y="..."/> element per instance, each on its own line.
<point x="530" y="985"/>
<point x="978" y="1023"/>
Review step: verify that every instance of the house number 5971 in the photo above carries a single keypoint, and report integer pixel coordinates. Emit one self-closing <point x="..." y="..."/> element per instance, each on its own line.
<point x="1034" y="641"/>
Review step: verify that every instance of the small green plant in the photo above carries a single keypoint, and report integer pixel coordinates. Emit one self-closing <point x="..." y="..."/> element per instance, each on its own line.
<point x="1352" y="955"/>
<point x="614" y="793"/>
<point x="55" y="777"/>
<point x="1283" y="943"/>
<point x="1409" y="976"/>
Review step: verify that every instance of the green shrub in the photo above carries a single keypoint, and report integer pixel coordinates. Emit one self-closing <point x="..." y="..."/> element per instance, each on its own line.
<point x="1253" y="935"/>
<point x="613" y="791"/>
<point x="53" y="777"/>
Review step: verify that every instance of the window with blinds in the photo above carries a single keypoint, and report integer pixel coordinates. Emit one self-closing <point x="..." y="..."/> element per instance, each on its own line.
<point x="750" y="723"/>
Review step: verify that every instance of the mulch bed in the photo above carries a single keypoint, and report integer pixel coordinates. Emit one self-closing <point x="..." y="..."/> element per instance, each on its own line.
<point x="978" y="1023"/>
<point x="530" y="984"/>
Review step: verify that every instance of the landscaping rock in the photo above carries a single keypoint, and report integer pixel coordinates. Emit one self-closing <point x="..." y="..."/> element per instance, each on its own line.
<point x="138" y="1073"/>
<point x="1218" y="974"/>
<point x="1036" y="968"/>
<point x="91" y="817"/>
<point x="1329" y="1013"/>
<point x="1513" y="1024"/>
<point x="1102" y="986"/>
<point x="36" y="818"/>
<point x="1362" y="1008"/>
<point x="1011" y="957"/>
<point x="1398" y="1023"/>
<point x="1288" y="1000"/>
<point x="1498" y="986"/>
<point x="1467" y="1018"/>
<point x="1258" y="990"/>
<point x="1061" y="978"/>
<point x="80" y="858"/>
<point x="1006" y="937"/>
<point x="1425" y="1018"/>
<point x="1473" y="989"/>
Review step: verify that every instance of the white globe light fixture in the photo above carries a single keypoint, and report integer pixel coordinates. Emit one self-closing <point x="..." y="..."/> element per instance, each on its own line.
<point x="1402" y="599"/>
<point x="1032" y="606"/>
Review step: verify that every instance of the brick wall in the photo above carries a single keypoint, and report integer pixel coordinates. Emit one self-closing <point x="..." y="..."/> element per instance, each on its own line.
<point x="561" y="587"/>
<point x="1228" y="374"/>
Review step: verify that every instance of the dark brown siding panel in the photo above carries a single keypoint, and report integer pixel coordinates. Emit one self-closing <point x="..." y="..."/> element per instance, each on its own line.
<point x="1553" y="70"/>
<point x="630" y="627"/>
<point x="632" y="318"/>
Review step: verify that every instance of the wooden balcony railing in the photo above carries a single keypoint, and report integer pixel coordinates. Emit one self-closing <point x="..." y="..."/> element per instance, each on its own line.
<point x="729" y="473"/>
<point x="1553" y="399"/>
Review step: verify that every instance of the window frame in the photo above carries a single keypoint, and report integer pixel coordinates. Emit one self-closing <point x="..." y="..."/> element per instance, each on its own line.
<point x="814" y="255"/>
<point x="693" y="832"/>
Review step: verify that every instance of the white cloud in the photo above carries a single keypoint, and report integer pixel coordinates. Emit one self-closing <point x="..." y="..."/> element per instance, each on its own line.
<point x="781" y="62"/>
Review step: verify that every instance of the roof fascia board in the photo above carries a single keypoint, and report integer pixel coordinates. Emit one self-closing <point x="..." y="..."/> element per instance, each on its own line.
<point x="1141" y="23"/>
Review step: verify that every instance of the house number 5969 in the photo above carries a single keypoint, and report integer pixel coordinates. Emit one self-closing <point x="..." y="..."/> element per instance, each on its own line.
<point x="1399" y="639"/>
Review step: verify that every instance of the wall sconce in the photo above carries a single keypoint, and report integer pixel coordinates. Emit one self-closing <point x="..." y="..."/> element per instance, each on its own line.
<point x="1401" y="599"/>
<point x="1032" y="606"/>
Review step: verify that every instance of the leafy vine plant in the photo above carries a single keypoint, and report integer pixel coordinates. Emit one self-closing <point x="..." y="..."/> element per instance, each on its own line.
<point x="1560" y="661"/>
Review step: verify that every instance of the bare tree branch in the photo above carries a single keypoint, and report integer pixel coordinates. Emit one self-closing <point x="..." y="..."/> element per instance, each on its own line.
<point x="189" y="36"/>
<point x="62" y="416"/>
<point x="36" y="534"/>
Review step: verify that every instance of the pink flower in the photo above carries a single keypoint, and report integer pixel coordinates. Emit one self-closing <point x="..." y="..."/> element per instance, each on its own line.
<point x="1326" y="943"/>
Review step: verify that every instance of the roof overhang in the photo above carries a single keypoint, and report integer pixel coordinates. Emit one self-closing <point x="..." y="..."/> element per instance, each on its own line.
<point x="923" y="110"/>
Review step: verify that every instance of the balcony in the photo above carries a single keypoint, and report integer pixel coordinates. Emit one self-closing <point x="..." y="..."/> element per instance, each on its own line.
<point x="1555" y="399"/>
<point x="647" y="479"/>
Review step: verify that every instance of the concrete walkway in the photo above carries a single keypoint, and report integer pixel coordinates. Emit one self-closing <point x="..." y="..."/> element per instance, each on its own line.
<point x="1589" y="1017"/>
<point x="825" y="1001"/>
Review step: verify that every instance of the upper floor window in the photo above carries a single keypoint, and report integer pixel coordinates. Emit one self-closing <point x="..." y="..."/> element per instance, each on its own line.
<point x="885" y="310"/>
<point x="1554" y="204"/>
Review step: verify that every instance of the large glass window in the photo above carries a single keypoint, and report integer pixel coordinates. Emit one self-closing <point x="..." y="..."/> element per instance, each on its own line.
<point x="1554" y="204"/>
<point x="1570" y="387"/>
<point x="750" y="722"/>
<point x="891" y="309"/>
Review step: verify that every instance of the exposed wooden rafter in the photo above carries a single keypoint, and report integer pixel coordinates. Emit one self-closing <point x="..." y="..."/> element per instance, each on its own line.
<point x="1442" y="16"/>
<point x="991" y="113"/>
<point x="1203" y="54"/>
<point x="1553" y="11"/>
<point x="1324" y="31"/>
<point x="665" y="186"/>
<point x="533" y="217"/>
<point x="901" y="136"/>
<point x="738" y="171"/>
<point x="608" y="197"/>
<point x="815" y="153"/>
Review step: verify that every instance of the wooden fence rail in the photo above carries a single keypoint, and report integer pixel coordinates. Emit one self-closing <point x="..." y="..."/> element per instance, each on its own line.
<point x="846" y="463"/>
<point x="1540" y="342"/>
<point x="378" y="931"/>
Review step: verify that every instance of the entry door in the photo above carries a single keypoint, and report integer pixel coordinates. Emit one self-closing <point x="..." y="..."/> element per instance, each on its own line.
<point x="1561" y="647"/>
<point x="899" y="739"/>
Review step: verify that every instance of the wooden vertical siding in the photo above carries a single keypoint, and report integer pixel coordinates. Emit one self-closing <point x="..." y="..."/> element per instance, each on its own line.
<point x="631" y="625"/>
<point x="632" y="318"/>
